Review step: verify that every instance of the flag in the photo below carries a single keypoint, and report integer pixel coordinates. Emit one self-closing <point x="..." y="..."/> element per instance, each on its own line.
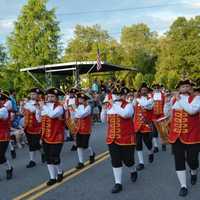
<point x="98" y="60"/>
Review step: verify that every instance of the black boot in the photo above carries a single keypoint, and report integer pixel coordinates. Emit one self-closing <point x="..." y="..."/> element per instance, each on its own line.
<point x="73" y="148"/>
<point x="193" y="178"/>
<point x="117" y="188"/>
<point x="9" y="173"/>
<point x="31" y="164"/>
<point x="156" y="150"/>
<point x="140" y="167"/>
<point x="92" y="158"/>
<point x="134" y="176"/>
<point x="151" y="158"/>
<point x="60" y="178"/>
<point x="13" y="154"/>
<point x="51" y="182"/>
<point x="183" y="192"/>
<point x="80" y="166"/>
<point x="164" y="147"/>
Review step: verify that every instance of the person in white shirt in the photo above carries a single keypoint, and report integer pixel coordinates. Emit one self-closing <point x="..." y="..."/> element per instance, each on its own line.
<point x="53" y="126"/>
<point x="70" y="104"/>
<point x="143" y="124"/>
<point x="82" y="115"/>
<point x="4" y="135"/>
<point x="118" y="113"/>
<point x="32" y="125"/>
<point x="184" y="134"/>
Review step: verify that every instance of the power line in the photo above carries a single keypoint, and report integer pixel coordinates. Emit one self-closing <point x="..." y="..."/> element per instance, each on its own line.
<point x="120" y="9"/>
<point x="117" y="10"/>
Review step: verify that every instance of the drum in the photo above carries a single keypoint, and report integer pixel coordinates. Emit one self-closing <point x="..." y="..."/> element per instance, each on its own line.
<point x="162" y="126"/>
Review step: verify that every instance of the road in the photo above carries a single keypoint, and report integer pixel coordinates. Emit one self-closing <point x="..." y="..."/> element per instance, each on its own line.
<point x="157" y="181"/>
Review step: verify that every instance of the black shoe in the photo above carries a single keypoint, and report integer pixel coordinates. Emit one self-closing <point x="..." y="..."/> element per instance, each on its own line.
<point x="9" y="173"/>
<point x="80" y="166"/>
<point x="183" y="192"/>
<point x="74" y="148"/>
<point x="156" y="150"/>
<point x="51" y="182"/>
<point x="164" y="147"/>
<point x="13" y="154"/>
<point x="59" y="178"/>
<point x="151" y="158"/>
<point x="31" y="164"/>
<point x="193" y="178"/>
<point x="134" y="176"/>
<point x="140" y="167"/>
<point x="117" y="188"/>
<point x="92" y="158"/>
<point x="43" y="158"/>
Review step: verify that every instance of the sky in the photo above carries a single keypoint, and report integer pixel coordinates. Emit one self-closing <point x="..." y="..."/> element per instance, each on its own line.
<point x="157" y="14"/>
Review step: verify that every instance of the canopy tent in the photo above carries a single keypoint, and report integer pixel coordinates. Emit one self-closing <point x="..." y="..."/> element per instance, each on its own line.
<point x="74" y="68"/>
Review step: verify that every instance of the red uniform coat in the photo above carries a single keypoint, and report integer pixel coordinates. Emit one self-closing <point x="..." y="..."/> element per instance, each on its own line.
<point x="120" y="130"/>
<point x="142" y="119"/>
<point x="53" y="129"/>
<point x="184" y="126"/>
<point x="31" y="125"/>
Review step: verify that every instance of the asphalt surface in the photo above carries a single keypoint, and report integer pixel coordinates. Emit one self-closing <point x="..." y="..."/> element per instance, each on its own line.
<point x="157" y="181"/>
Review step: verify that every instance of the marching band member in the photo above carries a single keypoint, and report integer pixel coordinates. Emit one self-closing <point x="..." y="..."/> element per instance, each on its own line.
<point x="70" y="104"/>
<point x="120" y="136"/>
<point x="4" y="134"/>
<point x="84" y="125"/>
<point x="158" y="112"/>
<point x="143" y="124"/>
<point x="32" y="125"/>
<point x="184" y="133"/>
<point x="8" y="105"/>
<point x="53" y="127"/>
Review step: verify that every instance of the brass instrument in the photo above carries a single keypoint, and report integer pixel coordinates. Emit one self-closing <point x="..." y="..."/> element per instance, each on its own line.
<point x="162" y="126"/>
<point x="72" y="124"/>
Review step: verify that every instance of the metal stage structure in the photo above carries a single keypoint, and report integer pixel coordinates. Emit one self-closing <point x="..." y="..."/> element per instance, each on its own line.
<point x="74" y="69"/>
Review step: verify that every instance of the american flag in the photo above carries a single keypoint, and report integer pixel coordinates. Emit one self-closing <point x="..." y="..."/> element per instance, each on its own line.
<point x="98" y="60"/>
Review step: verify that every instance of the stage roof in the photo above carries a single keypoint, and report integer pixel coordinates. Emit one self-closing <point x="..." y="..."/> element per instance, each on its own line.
<point x="83" y="68"/>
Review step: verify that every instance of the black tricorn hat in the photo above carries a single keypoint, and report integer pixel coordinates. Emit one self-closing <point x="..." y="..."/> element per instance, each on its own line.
<point x="83" y="95"/>
<point x="55" y="91"/>
<point x="184" y="82"/>
<point x="36" y="90"/>
<point x="4" y="94"/>
<point x="144" y="85"/>
<point x="156" y="85"/>
<point x="74" y="90"/>
<point x="115" y="90"/>
<point x="124" y="91"/>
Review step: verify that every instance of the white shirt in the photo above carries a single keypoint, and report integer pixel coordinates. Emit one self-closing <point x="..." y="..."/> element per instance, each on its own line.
<point x="145" y="102"/>
<point x="8" y="105"/>
<point x="157" y="96"/>
<point x="183" y="104"/>
<point x="126" y="112"/>
<point x="3" y="113"/>
<point x="81" y="111"/>
<point x="48" y="109"/>
<point x="31" y="106"/>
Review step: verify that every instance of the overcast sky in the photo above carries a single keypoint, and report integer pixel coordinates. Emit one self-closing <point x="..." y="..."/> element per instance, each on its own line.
<point x="133" y="11"/>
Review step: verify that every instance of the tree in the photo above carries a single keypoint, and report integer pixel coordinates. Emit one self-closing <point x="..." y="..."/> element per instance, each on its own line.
<point x="139" y="47"/>
<point x="87" y="39"/>
<point x="35" y="39"/>
<point x="179" y="54"/>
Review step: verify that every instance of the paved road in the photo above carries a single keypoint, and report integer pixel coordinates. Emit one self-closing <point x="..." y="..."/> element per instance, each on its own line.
<point x="157" y="182"/>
